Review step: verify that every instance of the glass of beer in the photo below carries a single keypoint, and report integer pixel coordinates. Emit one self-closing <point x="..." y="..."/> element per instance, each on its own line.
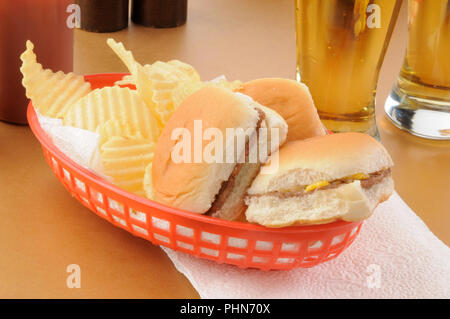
<point x="340" y="48"/>
<point x="420" y="100"/>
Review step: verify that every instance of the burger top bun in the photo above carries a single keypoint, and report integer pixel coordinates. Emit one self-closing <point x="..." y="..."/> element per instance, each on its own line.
<point x="193" y="186"/>
<point x="291" y="100"/>
<point x="323" y="158"/>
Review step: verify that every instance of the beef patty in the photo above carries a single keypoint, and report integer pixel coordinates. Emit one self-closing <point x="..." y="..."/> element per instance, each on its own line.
<point x="374" y="178"/>
<point x="228" y="186"/>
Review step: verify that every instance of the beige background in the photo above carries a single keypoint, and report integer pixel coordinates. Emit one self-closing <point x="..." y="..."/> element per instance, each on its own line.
<point x="43" y="229"/>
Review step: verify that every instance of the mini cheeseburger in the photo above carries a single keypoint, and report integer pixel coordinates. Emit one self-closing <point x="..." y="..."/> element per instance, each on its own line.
<point x="204" y="187"/>
<point x="291" y="100"/>
<point x="320" y="180"/>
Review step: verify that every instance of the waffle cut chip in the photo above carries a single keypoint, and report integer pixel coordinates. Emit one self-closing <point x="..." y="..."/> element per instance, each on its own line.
<point x="52" y="93"/>
<point x="113" y="103"/>
<point x="125" y="160"/>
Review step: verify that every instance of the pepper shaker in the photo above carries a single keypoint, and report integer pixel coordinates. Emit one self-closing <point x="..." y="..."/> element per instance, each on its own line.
<point x="159" y="13"/>
<point x="104" y="15"/>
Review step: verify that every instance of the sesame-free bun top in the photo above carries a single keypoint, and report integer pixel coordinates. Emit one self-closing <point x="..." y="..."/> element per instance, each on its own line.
<point x="322" y="158"/>
<point x="193" y="186"/>
<point x="292" y="100"/>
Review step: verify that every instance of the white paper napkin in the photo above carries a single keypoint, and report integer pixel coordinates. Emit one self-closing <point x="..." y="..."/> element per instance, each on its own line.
<point x="80" y="145"/>
<point x="394" y="256"/>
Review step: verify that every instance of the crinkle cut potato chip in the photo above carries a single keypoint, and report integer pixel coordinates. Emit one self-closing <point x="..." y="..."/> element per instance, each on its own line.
<point x="184" y="89"/>
<point x="187" y="69"/>
<point x="148" y="185"/>
<point x="52" y="93"/>
<point x="113" y="103"/>
<point x="114" y="127"/>
<point x="155" y="82"/>
<point x="173" y="70"/>
<point x="125" y="55"/>
<point x="181" y="72"/>
<point x="125" y="160"/>
<point x="126" y="80"/>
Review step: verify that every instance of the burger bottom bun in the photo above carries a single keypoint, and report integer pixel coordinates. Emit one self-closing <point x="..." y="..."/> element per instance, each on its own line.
<point x="234" y="206"/>
<point x="348" y="202"/>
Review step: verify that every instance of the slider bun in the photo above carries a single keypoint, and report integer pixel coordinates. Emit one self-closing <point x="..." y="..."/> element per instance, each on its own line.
<point x="323" y="158"/>
<point x="193" y="186"/>
<point x="291" y="100"/>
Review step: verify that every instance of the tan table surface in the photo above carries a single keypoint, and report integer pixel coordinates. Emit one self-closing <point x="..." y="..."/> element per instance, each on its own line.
<point x="43" y="229"/>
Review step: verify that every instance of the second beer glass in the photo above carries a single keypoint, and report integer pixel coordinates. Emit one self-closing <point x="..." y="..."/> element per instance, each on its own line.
<point x="420" y="101"/>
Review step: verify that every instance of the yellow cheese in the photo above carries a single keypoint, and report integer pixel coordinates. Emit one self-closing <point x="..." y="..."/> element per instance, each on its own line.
<point x="317" y="185"/>
<point x="320" y="184"/>
<point x="359" y="176"/>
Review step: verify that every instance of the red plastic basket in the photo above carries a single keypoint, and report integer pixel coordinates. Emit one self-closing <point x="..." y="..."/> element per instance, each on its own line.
<point x="241" y="244"/>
